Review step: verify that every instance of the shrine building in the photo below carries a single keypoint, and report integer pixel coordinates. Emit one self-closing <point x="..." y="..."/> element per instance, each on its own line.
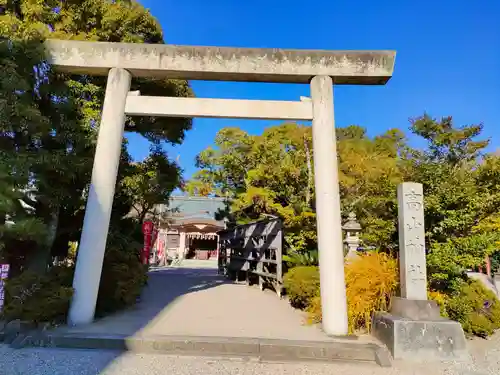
<point x="189" y="231"/>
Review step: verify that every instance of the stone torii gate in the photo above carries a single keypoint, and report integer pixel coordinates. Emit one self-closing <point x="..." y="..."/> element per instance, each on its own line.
<point x="120" y="62"/>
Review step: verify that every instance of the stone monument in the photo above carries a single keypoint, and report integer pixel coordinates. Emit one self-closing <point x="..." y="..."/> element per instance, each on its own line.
<point x="414" y="328"/>
<point x="413" y="275"/>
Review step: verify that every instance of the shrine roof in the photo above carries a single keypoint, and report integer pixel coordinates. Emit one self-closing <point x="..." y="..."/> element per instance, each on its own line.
<point x="186" y="208"/>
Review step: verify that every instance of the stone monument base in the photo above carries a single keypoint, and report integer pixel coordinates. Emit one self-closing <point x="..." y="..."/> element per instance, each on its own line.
<point x="421" y="339"/>
<point x="415" y="309"/>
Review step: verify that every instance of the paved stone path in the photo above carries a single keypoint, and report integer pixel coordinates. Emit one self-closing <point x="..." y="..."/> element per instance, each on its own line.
<point x="198" y="302"/>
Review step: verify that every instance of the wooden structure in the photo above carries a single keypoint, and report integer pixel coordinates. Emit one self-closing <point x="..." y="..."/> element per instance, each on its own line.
<point x="254" y="251"/>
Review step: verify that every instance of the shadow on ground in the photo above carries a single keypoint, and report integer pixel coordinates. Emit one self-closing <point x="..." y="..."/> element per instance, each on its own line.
<point x="166" y="287"/>
<point x="192" y="305"/>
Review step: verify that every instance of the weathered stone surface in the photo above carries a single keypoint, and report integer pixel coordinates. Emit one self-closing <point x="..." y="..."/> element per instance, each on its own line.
<point x="415" y="330"/>
<point x="328" y="209"/>
<point x="15" y="328"/>
<point x="383" y="357"/>
<point x="420" y="339"/>
<point x="413" y="273"/>
<point x="193" y="345"/>
<point x="415" y="309"/>
<point x="218" y="108"/>
<point x="222" y="63"/>
<point x="20" y="341"/>
<point x="265" y="349"/>
<point x="88" y="267"/>
<point x="309" y="350"/>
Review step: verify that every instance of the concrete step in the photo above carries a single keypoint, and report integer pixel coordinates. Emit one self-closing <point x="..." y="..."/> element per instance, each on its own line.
<point x="346" y="350"/>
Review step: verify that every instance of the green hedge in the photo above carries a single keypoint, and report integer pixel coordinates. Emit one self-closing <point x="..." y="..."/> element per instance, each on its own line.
<point x="301" y="284"/>
<point x="475" y="307"/>
<point x="46" y="298"/>
<point x="122" y="280"/>
<point x="39" y="298"/>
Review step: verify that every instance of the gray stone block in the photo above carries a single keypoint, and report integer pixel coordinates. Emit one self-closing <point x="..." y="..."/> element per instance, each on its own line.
<point x="264" y="349"/>
<point x="83" y="341"/>
<point x="12" y="330"/>
<point x="20" y="341"/>
<point x="383" y="357"/>
<point x="409" y="339"/>
<point x="28" y="334"/>
<point x="16" y="327"/>
<point x="415" y="309"/>
<point x="339" y="350"/>
<point x="2" y="330"/>
<point x="221" y="63"/>
<point x="194" y="345"/>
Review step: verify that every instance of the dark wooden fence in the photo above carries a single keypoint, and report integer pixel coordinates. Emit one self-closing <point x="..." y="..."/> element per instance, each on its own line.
<point x="254" y="252"/>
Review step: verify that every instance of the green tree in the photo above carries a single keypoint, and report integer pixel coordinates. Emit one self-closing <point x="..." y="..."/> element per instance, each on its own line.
<point x="272" y="174"/>
<point x="369" y="174"/>
<point x="149" y="183"/>
<point x="262" y="175"/>
<point x="461" y="195"/>
<point x="49" y="121"/>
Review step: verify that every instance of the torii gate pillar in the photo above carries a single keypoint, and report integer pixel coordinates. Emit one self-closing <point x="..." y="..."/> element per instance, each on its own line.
<point x="328" y="214"/>
<point x="100" y="200"/>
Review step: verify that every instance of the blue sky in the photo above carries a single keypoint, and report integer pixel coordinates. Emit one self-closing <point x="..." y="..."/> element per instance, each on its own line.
<point x="448" y="58"/>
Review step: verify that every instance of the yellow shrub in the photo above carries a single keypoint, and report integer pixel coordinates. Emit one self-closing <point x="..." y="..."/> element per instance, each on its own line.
<point x="371" y="281"/>
<point x="314" y="310"/>
<point x="440" y="299"/>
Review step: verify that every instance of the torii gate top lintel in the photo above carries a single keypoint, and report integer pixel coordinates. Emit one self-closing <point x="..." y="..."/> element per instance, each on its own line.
<point x="221" y="63"/>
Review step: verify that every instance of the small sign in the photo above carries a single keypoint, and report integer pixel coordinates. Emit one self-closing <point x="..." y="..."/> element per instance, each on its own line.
<point x="148" y="229"/>
<point x="4" y="274"/>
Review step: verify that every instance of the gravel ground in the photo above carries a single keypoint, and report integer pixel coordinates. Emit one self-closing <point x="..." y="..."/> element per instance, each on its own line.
<point x="484" y="353"/>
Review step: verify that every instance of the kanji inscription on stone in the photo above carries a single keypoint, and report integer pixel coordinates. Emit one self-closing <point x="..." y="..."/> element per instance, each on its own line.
<point x="413" y="276"/>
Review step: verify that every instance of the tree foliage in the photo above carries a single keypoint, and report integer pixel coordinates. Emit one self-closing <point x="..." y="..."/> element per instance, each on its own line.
<point x="461" y="195"/>
<point x="272" y="174"/>
<point x="49" y="123"/>
<point x="150" y="182"/>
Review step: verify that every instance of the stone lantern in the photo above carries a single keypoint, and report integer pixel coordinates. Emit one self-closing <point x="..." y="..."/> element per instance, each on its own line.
<point x="352" y="240"/>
